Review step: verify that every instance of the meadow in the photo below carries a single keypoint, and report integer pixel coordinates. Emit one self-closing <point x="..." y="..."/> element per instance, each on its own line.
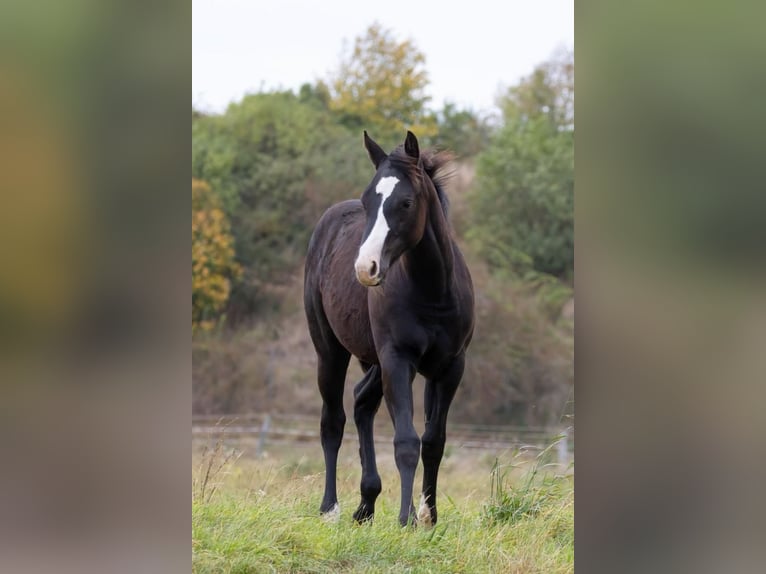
<point x="499" y="512"/>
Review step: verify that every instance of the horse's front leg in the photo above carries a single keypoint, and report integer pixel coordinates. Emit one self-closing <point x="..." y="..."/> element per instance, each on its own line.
<point x="438" y="394"/>
<point x="398" y="373"/>
<point x="367" y="396"/>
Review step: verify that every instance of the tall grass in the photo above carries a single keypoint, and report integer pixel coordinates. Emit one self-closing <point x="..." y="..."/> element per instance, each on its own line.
<point x="264" y="518"/>
<point x="215" y="463"/>
<point x="541" y="486"/>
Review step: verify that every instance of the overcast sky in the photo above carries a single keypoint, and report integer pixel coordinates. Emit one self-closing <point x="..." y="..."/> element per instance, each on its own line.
<point x="473" y="49"/>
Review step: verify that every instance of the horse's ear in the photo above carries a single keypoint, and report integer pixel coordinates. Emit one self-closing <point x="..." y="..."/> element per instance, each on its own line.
<point x="376" y="153"/>
<point x="411" y="147"/>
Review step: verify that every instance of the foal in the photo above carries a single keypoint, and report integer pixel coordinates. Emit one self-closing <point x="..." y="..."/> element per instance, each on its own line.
<point x="385" y="282"/>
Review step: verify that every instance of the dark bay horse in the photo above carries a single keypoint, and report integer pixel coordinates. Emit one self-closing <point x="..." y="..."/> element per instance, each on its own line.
<point x="385" y="282"/>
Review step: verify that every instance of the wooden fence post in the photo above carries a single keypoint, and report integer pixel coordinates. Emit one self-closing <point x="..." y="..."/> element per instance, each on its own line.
<point x="262" y="435"/>
<point x="563" y="448"/>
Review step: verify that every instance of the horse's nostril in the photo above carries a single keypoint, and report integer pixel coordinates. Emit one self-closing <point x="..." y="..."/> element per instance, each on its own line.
<point x="373" y="269"/>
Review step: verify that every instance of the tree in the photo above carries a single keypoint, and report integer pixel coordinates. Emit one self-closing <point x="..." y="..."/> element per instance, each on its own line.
<point x="548" y="92"/>
<point x="276" y="160"/>
<point x="315" y="95"/>
<point x="213" y="265"/>
<point x="380" y="86"/>
<point x="462" y="131"/>
<point x="524" y="198"/>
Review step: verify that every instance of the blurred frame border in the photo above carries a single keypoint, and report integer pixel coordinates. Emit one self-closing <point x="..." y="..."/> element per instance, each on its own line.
<point x="669" y="211"/>
<point x="94" y="290"/>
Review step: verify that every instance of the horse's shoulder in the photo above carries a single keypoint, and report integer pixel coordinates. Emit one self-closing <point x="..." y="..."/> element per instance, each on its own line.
<point x="344" y="209"/>
<point x="334" y="220"/>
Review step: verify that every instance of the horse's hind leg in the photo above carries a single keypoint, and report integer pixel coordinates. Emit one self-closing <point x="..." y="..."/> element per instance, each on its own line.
<point x="367" y="396"/>
<point x="438" y="397"/>
<point x="331" y="375"/>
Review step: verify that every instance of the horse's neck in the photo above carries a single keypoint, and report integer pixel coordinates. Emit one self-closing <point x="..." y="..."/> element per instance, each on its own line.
<point x="431" y="261"/>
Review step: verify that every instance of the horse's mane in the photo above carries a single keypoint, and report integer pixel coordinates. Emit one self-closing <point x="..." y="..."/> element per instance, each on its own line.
<point x="433" y="164"/>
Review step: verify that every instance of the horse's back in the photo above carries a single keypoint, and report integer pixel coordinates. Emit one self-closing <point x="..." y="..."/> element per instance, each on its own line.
<point x="335" y="302"/>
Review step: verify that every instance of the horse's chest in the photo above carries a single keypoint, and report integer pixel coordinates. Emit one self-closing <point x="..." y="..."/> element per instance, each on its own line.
<point x="428" y="335"/>
<point x="444" y="343"/>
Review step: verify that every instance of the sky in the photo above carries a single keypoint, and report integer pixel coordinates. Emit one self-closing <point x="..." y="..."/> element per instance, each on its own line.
<point x="473" y="49"/>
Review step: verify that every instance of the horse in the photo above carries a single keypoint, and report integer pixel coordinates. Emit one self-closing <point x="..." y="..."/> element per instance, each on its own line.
<point x="385" y="282"/>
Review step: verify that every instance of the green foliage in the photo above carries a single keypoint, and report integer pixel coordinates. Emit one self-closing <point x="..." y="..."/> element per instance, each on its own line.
<point x="523" y="205"/>
<point x="547" y="92"/>
<point x="461" y="130"/>
<point x="380" y="86"/>
<point x="276" y="160"/>
<point x="315" y="95"/>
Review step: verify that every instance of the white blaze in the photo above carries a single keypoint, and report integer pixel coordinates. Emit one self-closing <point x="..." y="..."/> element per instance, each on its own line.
<point x="373" y="246"/>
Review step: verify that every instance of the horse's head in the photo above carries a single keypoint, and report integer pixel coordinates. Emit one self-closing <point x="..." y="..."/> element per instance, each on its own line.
<point x="395" y="205"/>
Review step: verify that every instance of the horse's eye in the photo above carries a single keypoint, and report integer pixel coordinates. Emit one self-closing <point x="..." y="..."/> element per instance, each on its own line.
<point x="407" y="203"/>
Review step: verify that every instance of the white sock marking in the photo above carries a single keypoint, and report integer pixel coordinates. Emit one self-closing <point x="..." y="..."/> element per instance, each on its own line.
<point x="424" y="513"/>
<point x="332" y="515"/>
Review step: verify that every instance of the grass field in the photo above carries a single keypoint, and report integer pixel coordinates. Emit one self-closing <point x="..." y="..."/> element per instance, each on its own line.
<point x="498" y="513"/>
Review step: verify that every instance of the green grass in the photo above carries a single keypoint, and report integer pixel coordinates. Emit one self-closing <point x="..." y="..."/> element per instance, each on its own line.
<point x="262" y="517"/>
<point x="542" y="485"/>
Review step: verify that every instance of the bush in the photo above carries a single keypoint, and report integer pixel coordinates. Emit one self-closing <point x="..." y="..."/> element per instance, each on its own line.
<point x="276" y="161"/>
<point x="213" y="265"/>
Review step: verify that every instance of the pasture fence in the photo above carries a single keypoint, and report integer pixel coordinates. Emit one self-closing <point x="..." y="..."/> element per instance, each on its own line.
<point x="257" y="431"/>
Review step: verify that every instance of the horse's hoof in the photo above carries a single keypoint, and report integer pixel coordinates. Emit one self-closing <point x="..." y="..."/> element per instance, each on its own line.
<point x="424" y="513"/>
<point x="363" y="515"/>
<point x="332" y="515"/>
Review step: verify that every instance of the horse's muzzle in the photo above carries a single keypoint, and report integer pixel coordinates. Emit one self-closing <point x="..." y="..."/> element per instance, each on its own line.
<point x="368" y="274"/>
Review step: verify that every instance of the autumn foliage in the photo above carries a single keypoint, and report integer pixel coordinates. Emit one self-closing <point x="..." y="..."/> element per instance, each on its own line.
<point x="213" y="265"/>
<point x="381" y="86"/>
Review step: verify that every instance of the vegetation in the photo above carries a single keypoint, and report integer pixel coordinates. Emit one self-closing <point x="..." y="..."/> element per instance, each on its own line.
<point x="461" y="131"/>
<point x="277" y="161"/>
<point x="273" y="162"/>
<point x="380" y="86"/>
<point x="213" y="263"/>
<point x="263" y="518"/>
<point x="523" y="205"/>
<point x="541" y="487"/>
